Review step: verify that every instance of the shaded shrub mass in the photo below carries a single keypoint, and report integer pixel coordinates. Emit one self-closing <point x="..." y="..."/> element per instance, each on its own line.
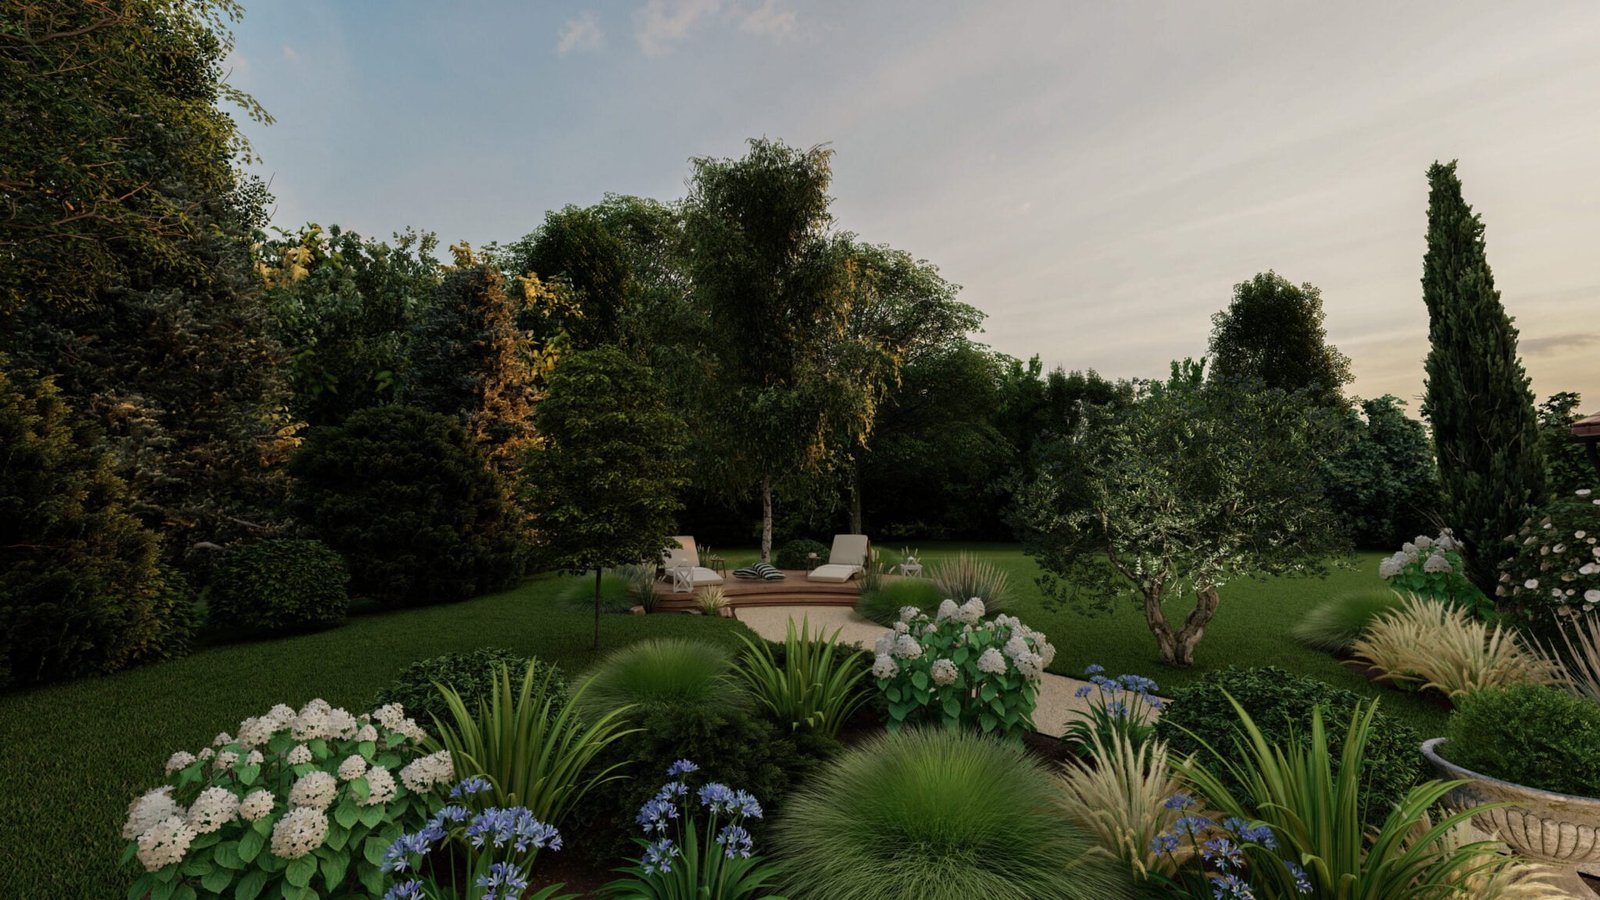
<point x="81" y="590"/>
<point x="280" y="586"/>
<point x="471" y="674"/>
<point x="1531" y="735"/>
<point x="930" y="814"/>
<point x="1281" y="702"/>
<point x="408" y="500"/>
<point x="793" y="554"/>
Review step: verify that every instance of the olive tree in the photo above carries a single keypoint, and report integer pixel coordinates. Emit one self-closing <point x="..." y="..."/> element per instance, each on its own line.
<point x="1192" y="485"/>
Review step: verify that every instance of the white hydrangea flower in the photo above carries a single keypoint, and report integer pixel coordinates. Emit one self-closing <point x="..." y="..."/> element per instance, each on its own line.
<point x="906" y="647"/>
<point x="884" y="666"/>
<point x="222" y="738"/>
<point x="254" y="758"/>
<point x="164" y="843"/>
<point x="380" y="787"/>
<point x="943" y="672"/>
<point x="180" y="760"/>
<point x="947" y="610"/>
<point x="225" y="761"/>
<point x="428" y="771"/>
<point x="314" y="789"/>
<point x="215" y="807"/>
<point x="1437" y="564"/>
<point x="992" y="662"/>
<point x="300" y="755"/>
<point x="299" y="832"/>
<point x="352" y="768"/>
<point x="257" y="805"/>
<point x="907" y="613"/>
<point x="972" y="611"/>
<point x="148" y="809"/>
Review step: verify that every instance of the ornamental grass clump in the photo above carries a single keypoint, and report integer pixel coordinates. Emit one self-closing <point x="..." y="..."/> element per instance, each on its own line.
<point x="498" y="846"/>
<point x="663" y="671"/>
<point x="696" y="844"/>
<point x="316" y="795"/>
<point x="1435" y="645"/>
<point x="931" y="814"/>
<point x="1553" y="572"/>
<point x="1336" y="624"/>
<point x="960" y="670"/>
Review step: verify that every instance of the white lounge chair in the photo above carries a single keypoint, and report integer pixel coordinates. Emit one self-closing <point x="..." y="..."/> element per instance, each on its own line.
<point x="686" y="555"/>
<point x="846" y="560"/>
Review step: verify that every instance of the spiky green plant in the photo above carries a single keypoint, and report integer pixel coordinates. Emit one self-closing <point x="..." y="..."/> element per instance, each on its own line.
<point x="817" y="686"/>
<point x="1314" y="809"/>
<point x="1334" y="625"/>
<point x="663" y="671"/>
<point x="536" y="754"/>
<point x="967" y="576"/>
<point x="939" y="815"/>
<point x="883" y="605"/>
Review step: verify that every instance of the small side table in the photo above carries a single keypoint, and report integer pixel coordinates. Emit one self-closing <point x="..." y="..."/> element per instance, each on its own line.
<point x="717" y="564"/>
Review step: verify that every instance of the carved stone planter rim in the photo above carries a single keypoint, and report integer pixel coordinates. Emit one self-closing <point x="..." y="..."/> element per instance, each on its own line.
<point x="1557" y="800"/>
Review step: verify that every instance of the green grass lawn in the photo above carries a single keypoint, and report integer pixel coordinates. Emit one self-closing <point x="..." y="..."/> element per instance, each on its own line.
<point x="74" y="755"/>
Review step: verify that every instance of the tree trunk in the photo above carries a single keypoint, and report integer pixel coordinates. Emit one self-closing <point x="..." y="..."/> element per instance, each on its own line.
<point x="856" y="525"/>
<point x="766" y="518"/>
<point x="597" y="609"/>
<point x="1177" y="647"/>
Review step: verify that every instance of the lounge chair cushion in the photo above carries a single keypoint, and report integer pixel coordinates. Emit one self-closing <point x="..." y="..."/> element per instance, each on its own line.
<point x="759" y="571"/>
<point x="835" y="573"/>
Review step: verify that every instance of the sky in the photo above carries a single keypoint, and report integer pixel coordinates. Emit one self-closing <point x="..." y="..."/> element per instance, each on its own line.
<point x="1097" y="176"/>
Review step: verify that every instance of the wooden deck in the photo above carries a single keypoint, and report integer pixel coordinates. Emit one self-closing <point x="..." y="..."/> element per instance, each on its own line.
<point x="792" y="590"/>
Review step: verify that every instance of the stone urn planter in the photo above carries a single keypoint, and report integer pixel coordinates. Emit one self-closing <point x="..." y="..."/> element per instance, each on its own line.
<point x="1559" y="830"/>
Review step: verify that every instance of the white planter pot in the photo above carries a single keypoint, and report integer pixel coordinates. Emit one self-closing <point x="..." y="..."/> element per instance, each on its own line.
<point x="1559" y="830"/>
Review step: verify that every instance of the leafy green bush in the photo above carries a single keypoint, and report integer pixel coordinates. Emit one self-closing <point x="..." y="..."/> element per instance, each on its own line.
<point x="938" y="815"/>
<point x="1281" y="702"/>
<point x="470" y="674"/>
<point x="80" y="589"/>
<point x="1531" y="735"/>
<point x="814" y="685"/>
<point x="407" y="499"/>
<point x="883" y="605"/>
<point x="280" y="586"/>
<point x="1334" y="625"/>
<point x="671" y="671"/>
<point x="616" y="592"/>
<point x="793" y="554"/>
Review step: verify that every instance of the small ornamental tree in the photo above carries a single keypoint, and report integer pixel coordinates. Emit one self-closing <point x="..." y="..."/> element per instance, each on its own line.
<point x="603" y="489"/>
<point x="1478" y="399"/>
<point x="1191" y="486"/>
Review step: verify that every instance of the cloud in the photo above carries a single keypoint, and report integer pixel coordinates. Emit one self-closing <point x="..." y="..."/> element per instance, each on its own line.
<point x="662" y="23"/>
<point x="580" y="33"/>
<point x="1558" y="342"/>
<point x="769" y="20"/>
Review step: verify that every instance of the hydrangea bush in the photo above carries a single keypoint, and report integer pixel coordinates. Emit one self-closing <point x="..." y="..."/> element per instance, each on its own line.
<point x="1555" y="572"/>
<point x="687" y="859"/>
<point x="499" y="843"/>
<point x="958" y="669"/>
<point x="1431" y="567"/>
<point x="297" y="804"/>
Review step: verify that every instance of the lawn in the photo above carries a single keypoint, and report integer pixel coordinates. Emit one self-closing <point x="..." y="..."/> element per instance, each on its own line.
<point x="74" y="755"/>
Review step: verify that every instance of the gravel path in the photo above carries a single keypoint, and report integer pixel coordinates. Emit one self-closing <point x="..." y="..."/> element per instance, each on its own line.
<point x="1057" y="701"/>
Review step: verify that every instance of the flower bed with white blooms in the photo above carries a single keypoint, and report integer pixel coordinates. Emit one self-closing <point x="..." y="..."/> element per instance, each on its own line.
<point x="298" y="804"/>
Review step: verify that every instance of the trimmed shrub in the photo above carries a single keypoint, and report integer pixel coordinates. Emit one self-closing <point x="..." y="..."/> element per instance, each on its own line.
<point x="1280" y="702"/>
<point x="80" y="589"/>
<point x="793" y="554"/>
<point x="471" y="674"/>
<point x="663" y="671"/>
<point x="280" y="586"/>
<point x="883" y="605"/>
<point x="939" y="815"/>
<point x="1531" y="735"/>
<point x="1334" y="625"/>
<point x="406" y="497"/>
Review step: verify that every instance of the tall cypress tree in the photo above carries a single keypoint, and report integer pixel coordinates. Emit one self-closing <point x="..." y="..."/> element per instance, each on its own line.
<point x="1485" y="432"/>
